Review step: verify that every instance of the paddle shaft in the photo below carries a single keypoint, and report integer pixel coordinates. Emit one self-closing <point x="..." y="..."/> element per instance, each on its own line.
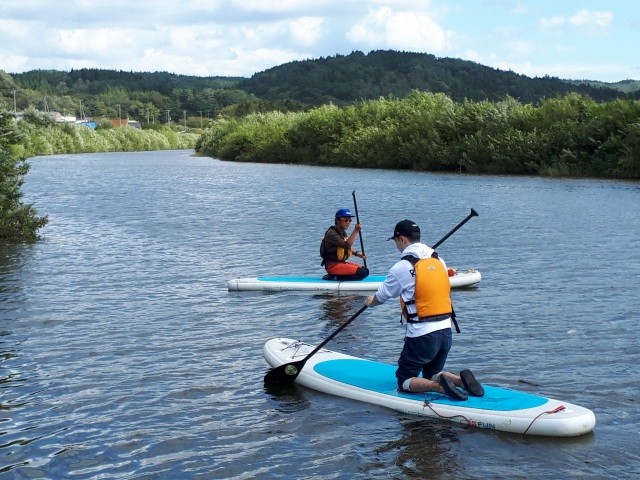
<point x="338" y="330"/>
<point x="472" y="214"/>
<point x="355" y="207"/>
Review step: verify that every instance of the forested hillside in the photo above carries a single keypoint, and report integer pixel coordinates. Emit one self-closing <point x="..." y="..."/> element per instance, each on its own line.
<point x="95" y="81"/>
<point x="343" y="79"/>
<point x="626" y="86"/>
<point x="158" y="97"/>
<point x="165" y="97"/>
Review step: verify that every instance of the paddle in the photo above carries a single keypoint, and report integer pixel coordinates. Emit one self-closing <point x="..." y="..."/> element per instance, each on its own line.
<point x="287" y="373"/>
<point x="355" y="207"/>
<point x="472" y="214"/>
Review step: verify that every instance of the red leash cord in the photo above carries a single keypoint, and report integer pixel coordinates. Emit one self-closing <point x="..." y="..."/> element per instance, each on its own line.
<point x="555" y="410"/>
<point x="428" y="404"/>
<point x="471" y="424"/>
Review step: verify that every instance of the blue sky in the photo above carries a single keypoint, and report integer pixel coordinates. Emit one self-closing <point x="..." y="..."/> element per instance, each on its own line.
<point x="570" y="39"/>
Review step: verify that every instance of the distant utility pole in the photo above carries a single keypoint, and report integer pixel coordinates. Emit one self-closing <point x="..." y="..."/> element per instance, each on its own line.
<point x="168" y="118"/>
<point x="184" y="119"/>
<point x="15" y="105"/>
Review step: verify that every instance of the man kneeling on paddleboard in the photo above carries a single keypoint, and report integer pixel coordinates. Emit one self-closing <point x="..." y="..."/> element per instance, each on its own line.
<point x="336" y="248"/>
<point x="421" y="281"/>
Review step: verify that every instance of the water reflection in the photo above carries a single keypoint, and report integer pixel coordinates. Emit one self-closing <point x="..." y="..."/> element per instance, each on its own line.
<point x="120" y="321"/>
<point x="12" y="259"/>
<point x="286" y="398"/>
<point x="425" y="449"/>
<point x="337" y="309"/>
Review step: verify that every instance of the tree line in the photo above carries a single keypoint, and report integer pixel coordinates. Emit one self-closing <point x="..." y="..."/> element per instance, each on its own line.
<point x="572" y="135"/>
<point x="151" y="98"/>
<point x="342" y="79"/>
<point x="161" y="97"/>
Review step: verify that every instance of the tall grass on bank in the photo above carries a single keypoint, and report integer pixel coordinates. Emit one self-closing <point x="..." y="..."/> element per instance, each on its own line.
<point x="566" y="136"/>
<point x="55" y="139"/>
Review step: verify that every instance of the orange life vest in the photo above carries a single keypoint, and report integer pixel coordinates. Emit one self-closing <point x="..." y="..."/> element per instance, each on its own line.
<point x="432" y="296"/>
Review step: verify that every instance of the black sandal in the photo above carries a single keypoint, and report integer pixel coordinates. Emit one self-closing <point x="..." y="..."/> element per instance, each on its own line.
<point x="450" y="389"/>
<point x="470" y="383"/>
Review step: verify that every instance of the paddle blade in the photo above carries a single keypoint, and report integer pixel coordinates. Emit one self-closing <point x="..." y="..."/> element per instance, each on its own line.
<point x="284" y="374"/>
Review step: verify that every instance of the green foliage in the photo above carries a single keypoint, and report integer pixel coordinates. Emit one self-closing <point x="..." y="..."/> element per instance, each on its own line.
<point x="150" y="98"/>
<point x="55" y="139"/>
<point x="161" y="97"/>
<point x="345" y="79"/>
<point x="18" y="221"/>
<point x="568" y="136"/>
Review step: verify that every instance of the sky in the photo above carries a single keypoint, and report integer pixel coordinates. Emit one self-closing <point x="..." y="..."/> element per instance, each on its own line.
<point x="569" y="39"/>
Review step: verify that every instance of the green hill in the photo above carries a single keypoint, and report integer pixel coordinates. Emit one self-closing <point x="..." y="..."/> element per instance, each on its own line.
<point x="626" y="86"/>
<point x="95" y="81"/>
<point x="343" y="79"/>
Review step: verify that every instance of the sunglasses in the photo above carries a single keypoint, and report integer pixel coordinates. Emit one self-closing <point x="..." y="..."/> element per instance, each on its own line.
<point x="346" y="219"/>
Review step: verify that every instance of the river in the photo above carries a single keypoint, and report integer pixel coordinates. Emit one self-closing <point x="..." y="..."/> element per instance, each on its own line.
<point x="123" y="355"/>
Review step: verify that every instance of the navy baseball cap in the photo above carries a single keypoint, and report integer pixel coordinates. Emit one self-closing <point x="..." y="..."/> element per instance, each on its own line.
<point x="405" y="228"/>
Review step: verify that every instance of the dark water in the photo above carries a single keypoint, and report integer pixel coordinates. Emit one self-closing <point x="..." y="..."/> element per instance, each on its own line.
<point x="122" y="355"/>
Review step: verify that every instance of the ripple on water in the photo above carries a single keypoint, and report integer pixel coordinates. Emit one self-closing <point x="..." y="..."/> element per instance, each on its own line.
<point x="123" y="355"/>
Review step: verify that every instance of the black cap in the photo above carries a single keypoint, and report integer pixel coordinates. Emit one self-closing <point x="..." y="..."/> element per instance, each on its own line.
<point x="405" y="228"/>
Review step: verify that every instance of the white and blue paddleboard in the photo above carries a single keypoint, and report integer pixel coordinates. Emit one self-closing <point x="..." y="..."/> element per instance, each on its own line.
<point x="374" y="382"/>
<point x="460" y="279"/>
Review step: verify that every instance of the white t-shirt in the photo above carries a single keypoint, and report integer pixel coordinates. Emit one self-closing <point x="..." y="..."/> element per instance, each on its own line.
<point x="401" y="282"/>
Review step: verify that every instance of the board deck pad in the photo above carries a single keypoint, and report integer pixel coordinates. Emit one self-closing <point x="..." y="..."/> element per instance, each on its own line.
<point x="380" y="377"/>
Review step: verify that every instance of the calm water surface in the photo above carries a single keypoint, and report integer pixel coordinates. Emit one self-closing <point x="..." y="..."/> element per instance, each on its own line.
<point x="123" y="355"/>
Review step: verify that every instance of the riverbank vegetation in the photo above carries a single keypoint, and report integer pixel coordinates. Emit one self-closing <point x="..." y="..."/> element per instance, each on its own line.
<point x="43" y="136"/>
<point x="572" y="135"/>
<point x="18" y="221"/>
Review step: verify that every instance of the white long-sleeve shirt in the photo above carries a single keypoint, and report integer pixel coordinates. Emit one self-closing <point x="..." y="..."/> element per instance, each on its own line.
<point x="401" y="281"/>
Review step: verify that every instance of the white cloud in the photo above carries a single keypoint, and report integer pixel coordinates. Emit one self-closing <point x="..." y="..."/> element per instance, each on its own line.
<point x="404" y="30"/>
<point x="573" y="71"/>
<point x="96" y="42"/>
<point x="587" y="18"/>
<point x="306" y="30"/>
<point x="592" y="21"/>
<point x="13" y="63"/>
<point x="262" y="6"/>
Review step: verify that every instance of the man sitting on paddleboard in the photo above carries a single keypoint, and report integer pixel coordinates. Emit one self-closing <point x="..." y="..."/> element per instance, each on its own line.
<point x="336" y="248"/>
<point x="421" y="281"/>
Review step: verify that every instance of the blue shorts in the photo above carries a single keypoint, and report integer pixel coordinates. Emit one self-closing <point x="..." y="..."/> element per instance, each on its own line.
<point x="426" y="354"/>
